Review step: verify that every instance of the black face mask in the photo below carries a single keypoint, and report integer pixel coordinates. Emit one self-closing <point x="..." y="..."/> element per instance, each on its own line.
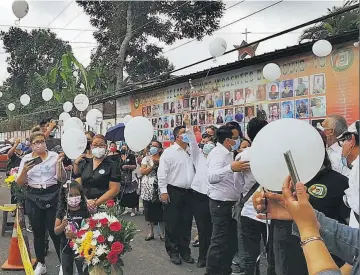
<point x="201" y="145"/>
<point x="123" y="151"/>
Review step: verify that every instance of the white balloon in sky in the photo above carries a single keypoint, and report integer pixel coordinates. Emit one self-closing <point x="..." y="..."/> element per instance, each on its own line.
<point x="25" y="99"/>
<point x="73" y="142"/>
<point x="322" y="48"/>
<point x="11" y="107"/>
<point x="73" y="123"/>
<point x="271" y="72"/>
<point x="94" y="118"/>
<point x="217" y="47"/>
<point x="81" y="102"/>
<point x="67" y="106"/>
<point x="20" y="8"/>
<point x="64" y="117"/>
<point x="47" y="94"/>
<point x="138" y="133"/>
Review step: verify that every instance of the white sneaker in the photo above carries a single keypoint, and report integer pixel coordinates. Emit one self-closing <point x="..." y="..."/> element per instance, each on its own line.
<point x="60" y="271"/>
<point x="125" y="212"/>
<point x="132" y="214"/>
<point x="40" y="269"/>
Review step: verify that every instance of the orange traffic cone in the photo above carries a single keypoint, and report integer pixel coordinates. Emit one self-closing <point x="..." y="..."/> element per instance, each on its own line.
<point x="14" y="261"/>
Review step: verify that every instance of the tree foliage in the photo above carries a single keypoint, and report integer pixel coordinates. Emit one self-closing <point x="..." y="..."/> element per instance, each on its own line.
<point x="126" y="29"/>
<point x="345" y="22"/>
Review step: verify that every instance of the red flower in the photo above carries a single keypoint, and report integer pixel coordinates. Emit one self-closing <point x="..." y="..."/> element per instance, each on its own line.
<point x="110" y="203"/>
<point x="104" y="221"/>
<point x="117" y="247"/>
<point x="71" y="244"/>
<point x="81" y="233"/>
<point x="92" y="224"/>
<point x="101" y="239"/>
<point x="112" y="257"/>
<point x="115" y="226"/>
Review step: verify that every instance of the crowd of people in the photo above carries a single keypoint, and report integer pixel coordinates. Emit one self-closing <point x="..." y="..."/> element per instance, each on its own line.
<point x="314" y="231"/>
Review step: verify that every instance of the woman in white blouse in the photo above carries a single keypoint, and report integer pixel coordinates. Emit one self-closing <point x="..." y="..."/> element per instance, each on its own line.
<point x="39" y="171"/>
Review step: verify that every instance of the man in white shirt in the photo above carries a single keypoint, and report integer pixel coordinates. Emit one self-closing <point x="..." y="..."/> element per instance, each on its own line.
<point x="223" y="193"/>
<point x="175" y="175"/>
<point x="251" y="229"/>
<point x="350" y="155"/>
<point x="334" y="126"/>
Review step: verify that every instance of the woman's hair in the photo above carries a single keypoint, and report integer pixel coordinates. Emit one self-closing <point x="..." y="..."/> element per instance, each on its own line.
<point x="99" y="137"/>
<point x="36" y="129"/>
<point x="90" y="133"/>
<point x="34" y="135"/>
<point x="62" y="205"/>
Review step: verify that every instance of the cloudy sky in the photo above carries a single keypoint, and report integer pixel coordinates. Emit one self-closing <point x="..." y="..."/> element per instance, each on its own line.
<point x="70" y="23"/>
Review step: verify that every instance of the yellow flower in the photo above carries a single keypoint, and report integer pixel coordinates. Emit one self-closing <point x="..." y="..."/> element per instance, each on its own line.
<point x="10" y="179"/>
<point x="89" y="252"/>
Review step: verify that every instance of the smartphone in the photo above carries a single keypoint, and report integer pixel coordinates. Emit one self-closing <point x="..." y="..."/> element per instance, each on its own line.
<point x="292" y="169"/>
<point x="67" y="161"/>
<point x="35" y="161"/>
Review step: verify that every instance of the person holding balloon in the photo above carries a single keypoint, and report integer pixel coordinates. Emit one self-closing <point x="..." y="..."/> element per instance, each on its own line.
<point x="99" y="176"/>
<point x="86" y="155"/>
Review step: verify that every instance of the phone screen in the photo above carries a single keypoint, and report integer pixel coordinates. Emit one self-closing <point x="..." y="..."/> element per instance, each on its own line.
<point x="292" y="169"/>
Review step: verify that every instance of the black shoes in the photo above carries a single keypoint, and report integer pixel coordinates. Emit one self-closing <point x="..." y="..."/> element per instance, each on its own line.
<point x="175" y="259"/>
<point x="46" y="247"/>
<point x="196" y="243"/>
<point x="201" y="264"/>
<point x="188" y="259"/>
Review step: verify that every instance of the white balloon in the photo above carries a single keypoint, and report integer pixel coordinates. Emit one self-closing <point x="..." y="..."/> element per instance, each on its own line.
<point x="47" y="94"/>
<point x="271" y="71"/>
<point x="267" y="161"/>
<point x="67" y="106"/>
<point x="25" y="99"/>
<point x="11" y="107"/>
<point x="75" y="73"/>
<point x="81" y="102"/>
<point x="94" y="118"/>
<point x="72" y="123"/>
<point x="82" y="86"/>
<point x="73" y="142"/>
<point x="20" y="8"/>
<point x="217" y="47"/>
<point x="64" y="117"/>
<point x="127" y="118"/>
<point x="1" y="94"/>
<point x="138" y="133"/>
<point x="322" y="48"/>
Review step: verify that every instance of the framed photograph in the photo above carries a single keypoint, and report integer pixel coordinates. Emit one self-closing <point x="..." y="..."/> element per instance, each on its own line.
<point x="194" y="105"/>
<point x="219" y="116"/>
<point x="219" y="99"/>
<point x="273" y="91"/>
<point x="239" y="114"/>
<point x="229" y="115"/>
<point x="262" y="111"/>
<point x="301" y="86"/>
<point x="229" y="99"/>
<point x="209" y="101"/>
<point x="249" y="113"/>
<point x="287" y="88"/>
<point x="186" y="104"/>
<point x="274" y="111"/>
<point x="317" y="84"/>
<point x="287" y="109"/>
<point x="166" y="108"/>
<point x="201" y="103"/>
<point x="172" y="107"/>
<point x="239" y="98"/>
<point x="302" y="108"/>
<point x="166" y="122"/>
<point x="318" y="106"/>
<point x="178" y="121"/>
<point x="179" y="106"/>
<point x="194" y="118"/>
<point x="202" y="117"/>
<point x="250" y="95"/>
<point x="210" y="117"/>
<point x="261" y="93"/>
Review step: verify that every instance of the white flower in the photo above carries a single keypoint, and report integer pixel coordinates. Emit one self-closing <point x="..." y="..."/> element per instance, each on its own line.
<point x="112" y="219"/>
<point x="96" y="234"/>
<point x="86" y="226"/>
<point x="98" y="225"/>
<point x="94" y="242"/>
<point x="95" y="260"/>
<point x="101" y="249"/>
<point x="75" y="247"/>
<point x="111" y="238"/>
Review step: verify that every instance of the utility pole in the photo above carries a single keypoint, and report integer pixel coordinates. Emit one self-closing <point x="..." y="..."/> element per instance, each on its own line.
<point x="246" y="35"/>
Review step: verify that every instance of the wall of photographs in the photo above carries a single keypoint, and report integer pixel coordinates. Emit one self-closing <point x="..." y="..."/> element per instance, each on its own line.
<point x="309" y="89"/>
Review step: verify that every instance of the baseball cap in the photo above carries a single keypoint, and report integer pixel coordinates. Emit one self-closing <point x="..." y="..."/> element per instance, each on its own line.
<point x="352" y="130"/>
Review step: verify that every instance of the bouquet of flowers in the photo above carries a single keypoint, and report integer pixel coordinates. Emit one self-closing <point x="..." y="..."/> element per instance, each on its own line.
<point x="103" y="239"/>
<point x="18" y="191"/>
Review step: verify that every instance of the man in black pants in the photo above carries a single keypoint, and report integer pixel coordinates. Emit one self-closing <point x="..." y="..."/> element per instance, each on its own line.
<point x="175" y="175"/>
<point x="223" y="193"/>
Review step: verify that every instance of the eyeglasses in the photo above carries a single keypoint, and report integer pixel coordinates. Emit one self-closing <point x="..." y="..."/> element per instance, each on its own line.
<point x="39" y="142"/>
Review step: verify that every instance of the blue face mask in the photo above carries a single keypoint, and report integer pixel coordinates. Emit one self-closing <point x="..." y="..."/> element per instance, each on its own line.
<point x="185" y="138"/>
<point x="236" y="145"/>
<point x="153" y="150"/>
<point x="207" y="148"/>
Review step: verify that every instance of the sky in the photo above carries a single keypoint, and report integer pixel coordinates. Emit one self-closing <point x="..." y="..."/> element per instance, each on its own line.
<point x="78" y="30"/>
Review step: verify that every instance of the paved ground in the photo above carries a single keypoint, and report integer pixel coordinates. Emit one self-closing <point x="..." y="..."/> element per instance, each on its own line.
<point x="147" y="258"/>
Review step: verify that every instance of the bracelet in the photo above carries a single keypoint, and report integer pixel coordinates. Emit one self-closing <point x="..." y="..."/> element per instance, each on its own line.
<point x="308" y="240"/>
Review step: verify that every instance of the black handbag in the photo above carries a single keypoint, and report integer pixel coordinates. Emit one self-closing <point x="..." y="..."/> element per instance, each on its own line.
<point x="43" y="198"/>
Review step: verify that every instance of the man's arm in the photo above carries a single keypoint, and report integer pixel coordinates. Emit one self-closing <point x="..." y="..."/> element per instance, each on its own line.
<point x="163" y="170"/>
<point x="217" y="171"/>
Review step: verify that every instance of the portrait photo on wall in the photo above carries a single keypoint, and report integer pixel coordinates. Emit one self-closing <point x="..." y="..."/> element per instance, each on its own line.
<point x="201" y="103"/>
<point x="249" y="113"/>
<point x="317" y="84"/>
<point x="318" y="106"/>
<point x="302" y="108"/>
<point x="179" y="106"/>
<point x="166" y="135"/>
<point x="202" y="118"/>
<point x="287" y="88"/>
<point x="317" y="122"/>
<point x="219" y="116"/>
<point x="239" y="114"/>
<point x="160" y="135"/>
<point x="172" y="121"/>
<point x="160" y="123"/>
<point x="261" y="92"/>
<point x="186" y="104"/>
<point x="178" y="120"/>
<point x="166" y="122"/>
<point x="287" y="109"/>
<point x="250" y="94"/>
<point x="229" y="115"/>
<point x="172" y="107"/>
<point x="154" y="122"/>
<point x="166" y="108"/>
<point x="219" y="99"/>
<point x="229" y="99"/>
<point x="210" y="117"/>
<point x="301" y="86"/>
<point x="274" y="111"/>
<point x="273" y="91"/>
<point x="239" y="97"/>
<point x="209" y="101"/>
<point x="262" y="111"/>
<point x="194" y="119"/>
<point x="149" y="113"/>
<point x="193" y="104"/>
<point x="144" y="111"/>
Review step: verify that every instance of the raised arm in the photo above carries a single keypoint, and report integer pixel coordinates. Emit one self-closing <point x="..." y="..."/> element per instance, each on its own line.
<point x="12" y="150"/>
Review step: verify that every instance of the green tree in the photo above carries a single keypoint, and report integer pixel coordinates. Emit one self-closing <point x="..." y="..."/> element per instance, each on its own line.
<point x="125" y="29"/>
<point x="345" y="22"/>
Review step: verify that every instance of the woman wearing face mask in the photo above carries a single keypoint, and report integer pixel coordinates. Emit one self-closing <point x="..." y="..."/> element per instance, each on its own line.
<point x="99" y="175"/>
<point x="129" y="197"/>
<point x="150" y="190"/>
<point x="40" y="170"/>
<point x="114" y="153"/>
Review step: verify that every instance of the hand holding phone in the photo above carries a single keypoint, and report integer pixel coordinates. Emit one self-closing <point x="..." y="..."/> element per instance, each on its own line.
<point x="31" y="163"/>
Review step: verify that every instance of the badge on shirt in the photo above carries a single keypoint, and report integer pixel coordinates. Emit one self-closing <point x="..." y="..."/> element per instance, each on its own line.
<point x="318" y="190"/>
<point x="102" y="172"/>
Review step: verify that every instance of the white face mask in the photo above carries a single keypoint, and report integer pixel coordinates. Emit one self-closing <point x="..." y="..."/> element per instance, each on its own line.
<point x="98" y="152"/>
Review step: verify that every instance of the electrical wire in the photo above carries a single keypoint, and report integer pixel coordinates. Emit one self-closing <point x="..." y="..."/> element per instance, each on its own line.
<point x="61" y="12"/>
